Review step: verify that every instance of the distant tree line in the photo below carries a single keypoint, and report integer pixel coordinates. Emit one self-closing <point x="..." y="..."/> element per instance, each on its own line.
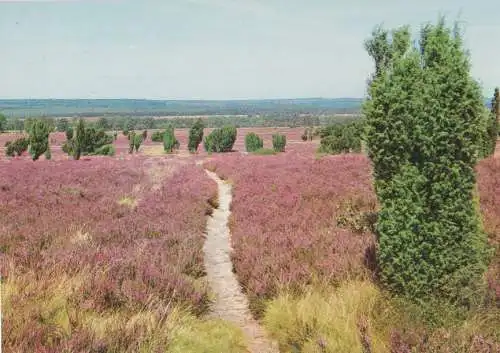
<point x="129" y="123"/>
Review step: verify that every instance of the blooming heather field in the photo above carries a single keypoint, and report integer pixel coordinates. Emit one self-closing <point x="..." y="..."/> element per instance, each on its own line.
<point x="297" y="221"/>
<point x="489" y="189"/>
<point x="105" y="254"/>
<point x="97" y="254"/>
<point x="284" y="221"/>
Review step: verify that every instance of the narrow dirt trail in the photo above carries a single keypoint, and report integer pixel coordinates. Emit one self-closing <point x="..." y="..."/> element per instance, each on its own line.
<point x="231" y="304"/>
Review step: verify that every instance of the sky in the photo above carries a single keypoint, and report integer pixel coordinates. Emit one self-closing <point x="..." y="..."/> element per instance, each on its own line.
<point x="216" y="49"/>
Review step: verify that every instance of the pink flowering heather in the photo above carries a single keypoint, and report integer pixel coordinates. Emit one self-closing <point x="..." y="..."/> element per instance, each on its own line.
<point x="127" y="234"/>
<point x="489" y="193"/>
<point x="284" y="219"/>
<point x="285" y="212"/>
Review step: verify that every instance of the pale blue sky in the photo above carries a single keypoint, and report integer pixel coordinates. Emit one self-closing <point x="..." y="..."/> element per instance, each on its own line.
<point x="215" y="49"/>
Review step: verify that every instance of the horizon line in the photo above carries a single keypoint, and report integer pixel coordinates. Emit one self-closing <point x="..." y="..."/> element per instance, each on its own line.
<point x="179" y="99"/>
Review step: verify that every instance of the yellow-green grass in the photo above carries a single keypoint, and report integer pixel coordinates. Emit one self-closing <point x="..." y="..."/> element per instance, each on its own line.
<point x="48" y="305"/>
<point x="332" y="320"/>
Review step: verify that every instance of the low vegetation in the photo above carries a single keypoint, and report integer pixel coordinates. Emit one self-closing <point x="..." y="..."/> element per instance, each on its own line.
<point x="394" y="251"/>
<point x="253" y="142"/>
<point x="38" y="138"/>
<point x="264" y="152"/>
<point x="279" y="142"/>
<point x="220" y="140"/>
<point x="16" y="147"/>
<point x="283" y="226"/>
<point x="170" y="142"/>
<point x="195" y="135"/>
<point x="341" y="138"/>
<point x="87" y="141"/>
<point x="157" y="136"/>
<point x="106" y="276"/>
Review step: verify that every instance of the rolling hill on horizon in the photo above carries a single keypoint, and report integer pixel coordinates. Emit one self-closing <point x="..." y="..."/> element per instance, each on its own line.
<point x="20" y="108"/>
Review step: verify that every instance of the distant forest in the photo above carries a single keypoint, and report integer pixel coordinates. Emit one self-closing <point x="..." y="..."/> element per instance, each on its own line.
<point x="127" y="114"/>
<point x="33" y="108"/>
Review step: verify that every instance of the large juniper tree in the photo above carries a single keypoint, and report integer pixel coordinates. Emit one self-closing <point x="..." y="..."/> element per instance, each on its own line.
<point x="425" y="131"/>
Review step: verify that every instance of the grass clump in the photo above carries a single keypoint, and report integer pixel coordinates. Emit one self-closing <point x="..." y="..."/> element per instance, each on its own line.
<point x="358" y="317"/>
<point x="208" y="336"/>
<point x="264" y="152"/>
<point x="324" y="321"/>
<point x="128" y="201"/>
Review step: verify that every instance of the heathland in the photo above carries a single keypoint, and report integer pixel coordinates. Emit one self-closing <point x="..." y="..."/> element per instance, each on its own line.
<point x="379" y="233"/>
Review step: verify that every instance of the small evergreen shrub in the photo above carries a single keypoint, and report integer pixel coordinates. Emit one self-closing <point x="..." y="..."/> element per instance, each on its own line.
<point x="221" y="140"/>
<point x="86" y="141"/>
<point x="195" y="135"/>
<point x="493" y="121"/>
<point x="279" y="142"/>
<point x="16" y="147"/>
<point x="137" y="142"/>
<point x="39" y="138"/>
<point x="131" y="142"/>
<point x="341" y="138"/>
<point x="157" y="136"/>
<point x="169" y="141"/>
<point x="69" y="133"/>
<point x="253" y="142"/>
<point x="77" y="145"/>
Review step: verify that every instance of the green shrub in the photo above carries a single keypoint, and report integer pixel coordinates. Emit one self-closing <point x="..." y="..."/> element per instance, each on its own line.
<point x="424" y="150"/>
<point x="131" y="142"/>
<point x="16" y="147"/>
<point x="253" y="142"/>
<point x="39" y="138"/>
<point x="221" y="140"/>
<point x="195" y="135"/>
<point x="3" y="123"/>
<point x="492" y="127"/>
<point x="106" y="150"/>
<point x="279" y="142"/>
<point x="69" y="133"/>
<point x="341" y="138"/>
<point x="157" y="136"/>
<point x="62" y="124"/>
<point x="169" y="141"/>
<point x="78" y="145"/>
<point x="137" y="142"/>
<point x="86" y="141"/>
